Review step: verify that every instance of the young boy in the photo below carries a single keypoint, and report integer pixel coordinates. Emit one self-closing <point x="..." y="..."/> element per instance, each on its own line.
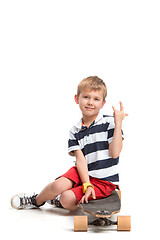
<point x="96" y="142"/>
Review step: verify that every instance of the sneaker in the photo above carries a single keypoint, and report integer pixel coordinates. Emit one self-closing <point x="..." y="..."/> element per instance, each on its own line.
<point x="21" y="201"/>
<point x="55" y="202"/>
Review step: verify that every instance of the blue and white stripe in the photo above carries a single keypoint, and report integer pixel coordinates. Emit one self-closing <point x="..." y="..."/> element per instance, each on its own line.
<point x="94" y="143"/>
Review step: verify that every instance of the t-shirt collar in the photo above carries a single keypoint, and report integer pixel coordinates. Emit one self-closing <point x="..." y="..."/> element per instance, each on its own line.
<point x="80" y="126"/>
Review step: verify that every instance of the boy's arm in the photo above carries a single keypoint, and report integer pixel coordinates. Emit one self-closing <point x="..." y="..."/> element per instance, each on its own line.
<point x="83" y="173"/>
<point x="115" y="146"/>
<point x="81" y="166"/>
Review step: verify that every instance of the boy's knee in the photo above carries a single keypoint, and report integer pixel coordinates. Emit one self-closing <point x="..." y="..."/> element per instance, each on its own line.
<point x="68" y="200"/>
<point x="55" y="188"/>
<point x="60" y="185"/>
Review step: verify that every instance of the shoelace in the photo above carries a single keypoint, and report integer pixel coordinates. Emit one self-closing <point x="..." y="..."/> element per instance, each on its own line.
<point x="27" y="201"/>
<point x="56" y="202"/>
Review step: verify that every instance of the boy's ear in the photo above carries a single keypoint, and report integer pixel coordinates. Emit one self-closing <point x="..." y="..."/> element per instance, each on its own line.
<point x="76" y="99"/>
<point x="103" y="103"/>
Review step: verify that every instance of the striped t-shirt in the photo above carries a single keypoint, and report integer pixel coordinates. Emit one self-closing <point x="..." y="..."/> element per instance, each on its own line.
<point x="94" y="142"/>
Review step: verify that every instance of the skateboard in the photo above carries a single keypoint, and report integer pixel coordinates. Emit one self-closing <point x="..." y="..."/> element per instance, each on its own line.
<point x="102" y="210"/>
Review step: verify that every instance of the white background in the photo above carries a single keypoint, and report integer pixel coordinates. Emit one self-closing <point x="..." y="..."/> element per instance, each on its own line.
<point x="46" y="49"/>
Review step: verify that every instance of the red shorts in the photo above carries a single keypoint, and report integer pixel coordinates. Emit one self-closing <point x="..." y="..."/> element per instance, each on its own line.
<point x="102" y="188"/>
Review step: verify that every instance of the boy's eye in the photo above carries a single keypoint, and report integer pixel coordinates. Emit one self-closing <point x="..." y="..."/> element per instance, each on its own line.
<point x="97" y="99"/>
<point x="85" y="96"/>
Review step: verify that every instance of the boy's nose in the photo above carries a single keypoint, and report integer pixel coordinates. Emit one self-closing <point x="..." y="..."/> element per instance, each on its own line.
<point x="90" y="102"/>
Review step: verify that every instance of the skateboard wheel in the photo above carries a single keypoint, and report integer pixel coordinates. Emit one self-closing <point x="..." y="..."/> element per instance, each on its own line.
<point x="80" y="223"/>
<point x="123" y="223"/>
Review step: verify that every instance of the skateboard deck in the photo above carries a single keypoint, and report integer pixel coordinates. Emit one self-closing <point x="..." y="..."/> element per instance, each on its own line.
<point x="103" y="208"/>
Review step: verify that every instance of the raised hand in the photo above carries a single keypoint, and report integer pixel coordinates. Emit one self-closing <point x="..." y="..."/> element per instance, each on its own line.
<point x="119" y="115"/>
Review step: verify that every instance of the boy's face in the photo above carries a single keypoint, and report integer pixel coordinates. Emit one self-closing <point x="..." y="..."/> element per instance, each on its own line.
<point x="90" y="102"/>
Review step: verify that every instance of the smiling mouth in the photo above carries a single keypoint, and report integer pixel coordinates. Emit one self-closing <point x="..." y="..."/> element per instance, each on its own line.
<point x="89" y="108"/>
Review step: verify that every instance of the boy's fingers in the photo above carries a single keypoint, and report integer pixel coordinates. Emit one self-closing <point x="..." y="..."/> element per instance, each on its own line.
<point x="121" y="106"/>
<point x="82" y="200"/>
<point x="86" y="199"/>
<point x="113" y="108"/>
<point x="94" y="196"/>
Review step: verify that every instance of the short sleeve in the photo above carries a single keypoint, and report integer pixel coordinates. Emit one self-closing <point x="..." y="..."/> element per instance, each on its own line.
<point x="111" y="128"/>
<point x="72" y="144"/>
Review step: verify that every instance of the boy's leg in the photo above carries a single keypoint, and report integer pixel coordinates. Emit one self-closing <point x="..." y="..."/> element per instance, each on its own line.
<point x="71" y="197"/>
<point x="68" y="200"/>
<point x="54" y="189"/>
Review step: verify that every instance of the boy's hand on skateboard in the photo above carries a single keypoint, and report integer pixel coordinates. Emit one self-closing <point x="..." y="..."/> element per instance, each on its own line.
<point x="119" y="115"/>
<point x="89" y="193"/>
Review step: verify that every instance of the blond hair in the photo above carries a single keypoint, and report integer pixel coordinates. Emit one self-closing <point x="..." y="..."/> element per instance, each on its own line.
<point x="94" y="83"/>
